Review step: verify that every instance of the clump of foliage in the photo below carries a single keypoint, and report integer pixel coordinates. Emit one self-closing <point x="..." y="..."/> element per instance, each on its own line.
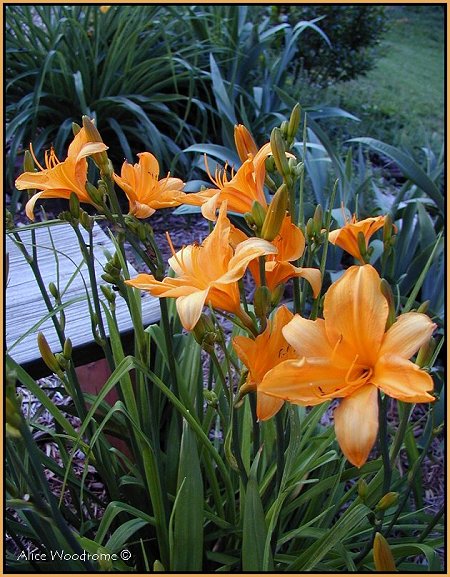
<point x="354" y="32"/>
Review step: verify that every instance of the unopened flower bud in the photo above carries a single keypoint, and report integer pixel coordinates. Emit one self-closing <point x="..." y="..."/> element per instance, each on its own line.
<point x="158" y="567"/>
<point x="75" y="128"/>
<point x="248" y="217"/>
<point x="279" y="153"/>
<point x="204" y="333"/>
<point x="387" y="229"/>
<point x="362" y="488"/>
<point x="423" y="307"/>
<point x="275" y="214"/>
<point x="362" y="246"/>
<point x="47" y="356"/>
<point x="53" y="290"/>
<point x="108" y="278"/>
<point x="245" y="144"/>
<point x="93" y="135"/>
<point x="9" y="220"/>
<point x="12" y="413"/>
<point x="67" y="351"/>
<point x="94" y="193"/>
<point x="28" y="162"/>
<point x="262" y="301"/>
<point x="284" y="128"/>
<point x="425" y="353"/>
<point x="61" y="360"/>
<point x="317" y="219"/>
<point x="389" y="296"/>
<point x="270" y="164"/>
<point x="87" y="222"/>
<point x="210" y="398"/>
<point x="258" y="214"/>
<point x="276" y="294"/>
<point x="294" y="123"/>
<point x="387" y="501"/>
<point x="310" y="228"/>
<point x="107" y="293"/>
<point x="74" y="205"/>
<point x="382" y="554"/>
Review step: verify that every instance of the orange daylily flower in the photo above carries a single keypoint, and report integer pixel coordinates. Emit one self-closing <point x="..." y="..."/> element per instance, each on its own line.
<point x="349" y="355"/>
<point x="262" y="354"/>
<point x="290" y="243"/>
<point x="245" y="186"/>
<point x="143" y="189"/>
<point x="347" y="236"/>
<point x="207" y="273"/>
<point x="60" y="179"/>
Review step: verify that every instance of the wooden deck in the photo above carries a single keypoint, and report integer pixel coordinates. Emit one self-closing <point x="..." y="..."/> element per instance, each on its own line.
<point x="25" y="307"/>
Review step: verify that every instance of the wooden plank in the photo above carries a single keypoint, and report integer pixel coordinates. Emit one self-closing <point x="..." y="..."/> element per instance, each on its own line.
<point x="25" y="306"/>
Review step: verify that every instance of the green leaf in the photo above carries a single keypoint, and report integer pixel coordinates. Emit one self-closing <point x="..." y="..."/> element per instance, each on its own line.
<point x="254" y="530"/>
<point x="187" y="549"/>
<point x="408" y="166"/>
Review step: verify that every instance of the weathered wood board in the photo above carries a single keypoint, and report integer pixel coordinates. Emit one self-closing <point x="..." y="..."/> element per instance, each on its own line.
<point x="25" y="307"/>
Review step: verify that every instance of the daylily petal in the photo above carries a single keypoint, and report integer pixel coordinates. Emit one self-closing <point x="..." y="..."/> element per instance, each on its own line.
<point x="308" y="338"/>
<point x="91" y="148"/>
<point x="267" y="407"/>
<point x="140" y="210"/>
<point x="407" y="335"/>
<point x="356" y="424"/>
<point x="245" y="252"/>
<point x="356" y="311"/>
<point x="403" y="380"/>
<point x="190" y="308"/>
<point x="306" y="381"/>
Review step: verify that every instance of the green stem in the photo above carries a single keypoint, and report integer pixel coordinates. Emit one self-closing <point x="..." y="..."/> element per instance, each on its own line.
<point x="384" y="448"/>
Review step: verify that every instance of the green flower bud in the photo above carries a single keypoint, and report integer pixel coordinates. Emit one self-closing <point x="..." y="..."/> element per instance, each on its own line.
<point x="362" y="488"/>
<point x="284" y="128"/>
<point x="204" y="333"/>
<point x="389" y="296"/>
<point x="158" y="567"/>
<point x="275" y="214"/>
<point x="362" y="246"/>
<point x="108" y="278"/>
<point x="317" y="219"/>
<point x="425" y="353"/>
<point x="423" y="307"/>
<point x="75" y="128"/>
<point x="108" y="293"/>
<point x="100" y="158"/>
<point x="262" y="301"/>
<point x="387" y="501"/>
<point x="277" y="294"/>
<point x="210" y="398"/>
<point x="47" y="356"/>
<point x="74" y="205"/>
<point x="279" y="152"/>
<point x="67" y="351"/>
<point x="310" y="229"/>
<point x="28" y="162"/>
<point x="94" y="193"/>
<point x="53" y="290"/>
<point x="294" y="123"/>
<point x="258" y="214"/>
<point x="87" y="222"/>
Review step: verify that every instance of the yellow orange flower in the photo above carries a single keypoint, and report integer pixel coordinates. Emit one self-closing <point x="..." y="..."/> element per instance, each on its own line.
<point x="245" y="186"/>
<point x="262" y="354"/>
<point x="60" y="179"/>
<point x="349" y="355"/>
<point x="290" y="243"/>
<point x="206" y="273"/>
<point x="145" y="192"/>
<point x="347" y="236"/>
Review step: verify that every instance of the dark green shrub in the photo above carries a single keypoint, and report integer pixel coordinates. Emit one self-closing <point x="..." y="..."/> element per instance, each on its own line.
<point x="354" y="32"/>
